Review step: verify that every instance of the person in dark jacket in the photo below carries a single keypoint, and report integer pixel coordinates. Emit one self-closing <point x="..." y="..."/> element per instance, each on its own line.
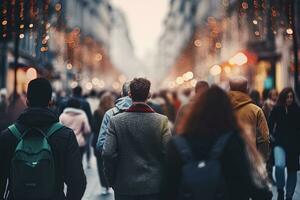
<point x="285" y="132"/>
<point x="211" y="116"/>
<point x="106" y="103"/>
<point x="68" y="167"/>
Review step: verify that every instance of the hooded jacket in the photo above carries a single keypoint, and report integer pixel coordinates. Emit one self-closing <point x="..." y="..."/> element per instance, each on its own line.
<point x="67" y="159"/>
<point x="121" y="105"/>
<point x="77" y="120"/>
<point x="253" y="119"/>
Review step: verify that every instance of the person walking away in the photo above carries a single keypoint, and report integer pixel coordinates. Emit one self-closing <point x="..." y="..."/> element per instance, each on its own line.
<point x="85" y="106"/>
<point x="270" y="103"/>
<point x="211" y="135"/>
<point x="121" y="105"/>
<point x="267" y="107"/>
<point x="3" y="109"/>
<point x="76" y="119"/>
<point x="200" y="88"/>
<point x="249" y="115"/>
<point x="106" y="103"/>
<point x="134" y="148"/>
<point x="255" y="96"/>
<point x="285" y="131"/>
<point x="35" y="178"/>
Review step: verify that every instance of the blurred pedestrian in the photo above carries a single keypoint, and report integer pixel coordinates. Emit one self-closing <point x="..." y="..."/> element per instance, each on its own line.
<point x="75" y="118"/>
<point x="93" y="100"/>
<point x="134" y="147"/>
<point x="121" y="105"/>
<point x="249" y="115"/>
<point x="35" y="176"/>
<point x="176" y="101"/>
<point x="255" y="96"/>
<point x="211" y="119"/>
<point x="270" y="102"/>
<point x="169" y="108"/>
<point x="106" y="103"/>
<point x="285" y="131"/>
<point x="16" y="107"/>
<point x="200" y="88"/>
<point x="4" y="122"/>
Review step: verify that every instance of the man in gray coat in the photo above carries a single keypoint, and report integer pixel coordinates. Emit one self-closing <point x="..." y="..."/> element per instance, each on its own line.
<point x="134" y="148"/>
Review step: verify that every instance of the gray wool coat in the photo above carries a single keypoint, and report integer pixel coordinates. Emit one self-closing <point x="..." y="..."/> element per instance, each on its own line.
<point x="133" y="152"/>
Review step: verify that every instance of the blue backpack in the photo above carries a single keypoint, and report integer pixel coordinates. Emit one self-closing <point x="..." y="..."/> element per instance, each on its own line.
<point x="201" y="179"/>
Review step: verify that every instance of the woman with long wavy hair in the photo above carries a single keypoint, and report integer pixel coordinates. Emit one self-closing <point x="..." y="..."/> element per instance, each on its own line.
<point x="285" y="131"/>
<point x="210" y="117"/>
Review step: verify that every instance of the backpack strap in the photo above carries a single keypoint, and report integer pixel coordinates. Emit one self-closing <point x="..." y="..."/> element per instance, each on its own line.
<point x="220" y="144"/>
<point x="53" y="128"/>
<point x="184" y="149"/>
<point x="14" y="130"/>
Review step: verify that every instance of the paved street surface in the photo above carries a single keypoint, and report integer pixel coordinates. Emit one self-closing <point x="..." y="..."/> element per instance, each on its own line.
<point x="93" y="190"/>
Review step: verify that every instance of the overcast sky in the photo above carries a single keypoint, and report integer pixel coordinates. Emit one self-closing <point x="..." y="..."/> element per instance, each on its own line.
<point x="145" y="21"/>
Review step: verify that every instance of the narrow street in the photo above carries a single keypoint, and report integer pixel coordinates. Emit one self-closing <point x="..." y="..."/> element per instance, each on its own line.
<point x="93" y="190"/>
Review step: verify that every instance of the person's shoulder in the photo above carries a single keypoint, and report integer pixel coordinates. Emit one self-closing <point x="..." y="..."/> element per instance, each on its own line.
<point x="64" y="133"/>
<point x="6" y="136"/>
<point x="160" y="116"/>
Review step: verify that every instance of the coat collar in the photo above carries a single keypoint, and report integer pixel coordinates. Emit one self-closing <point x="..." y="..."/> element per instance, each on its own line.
<point x="140" y="107"/>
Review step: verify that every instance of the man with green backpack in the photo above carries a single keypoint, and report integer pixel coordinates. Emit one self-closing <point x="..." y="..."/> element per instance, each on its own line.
<point x="38" y="155"/>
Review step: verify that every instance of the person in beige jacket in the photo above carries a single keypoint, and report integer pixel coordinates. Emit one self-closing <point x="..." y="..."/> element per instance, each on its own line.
<point x="76" y="119"/>
<point x="250" y="116"/>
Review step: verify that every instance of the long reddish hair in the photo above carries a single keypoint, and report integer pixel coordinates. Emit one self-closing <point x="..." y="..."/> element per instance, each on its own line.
<point x="209" y="113"/>
<point x="212" y="113"/>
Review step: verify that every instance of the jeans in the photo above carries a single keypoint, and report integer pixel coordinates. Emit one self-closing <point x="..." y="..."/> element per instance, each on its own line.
<point x="280" y="164"/>
<point x="137" y="197"/>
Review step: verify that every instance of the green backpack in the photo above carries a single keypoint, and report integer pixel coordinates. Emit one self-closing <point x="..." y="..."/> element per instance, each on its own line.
<point x="32" y="165"/>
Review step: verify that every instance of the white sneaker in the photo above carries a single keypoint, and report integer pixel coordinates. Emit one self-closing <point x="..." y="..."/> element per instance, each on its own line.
<point x="105" y="192"/>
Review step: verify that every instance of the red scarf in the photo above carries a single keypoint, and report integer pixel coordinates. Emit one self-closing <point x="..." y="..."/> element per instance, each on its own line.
<point x="140" y="107"/>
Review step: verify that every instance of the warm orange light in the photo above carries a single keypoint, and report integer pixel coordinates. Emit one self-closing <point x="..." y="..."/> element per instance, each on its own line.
<point x="215" y="70"/>
<point x="179" y="80"/>
<point x="58" y="7"/>
<point x="289" y="31"/>
<point x="31" y="74"/>
<point x="89" y="86"/>
<point x="238" y="59"/>
<point x="69" y="66"/>
<point x="198" y="43"/>
<point x="98" y="57"/>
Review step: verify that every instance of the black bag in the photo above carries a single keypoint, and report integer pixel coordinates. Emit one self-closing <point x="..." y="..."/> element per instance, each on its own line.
<point x="201" y="180"/>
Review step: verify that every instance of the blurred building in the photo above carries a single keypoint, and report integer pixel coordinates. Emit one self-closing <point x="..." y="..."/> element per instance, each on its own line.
<point x="229" y="37"/>
<point x="67" y="41"/>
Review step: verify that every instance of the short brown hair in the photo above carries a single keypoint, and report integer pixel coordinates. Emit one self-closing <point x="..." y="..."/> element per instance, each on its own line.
<point x="139" y="89"/>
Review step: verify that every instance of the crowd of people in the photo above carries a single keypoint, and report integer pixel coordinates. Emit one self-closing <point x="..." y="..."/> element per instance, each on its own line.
<point x="205" y="143"/>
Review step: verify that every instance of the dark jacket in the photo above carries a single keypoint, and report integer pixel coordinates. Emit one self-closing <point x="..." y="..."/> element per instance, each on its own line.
<point x="97" y="121"/>
<point x="285" y="127"/>
<point x="234" y="162"/>
<point x="68" y="166"/>
<point x="134" y="149"/>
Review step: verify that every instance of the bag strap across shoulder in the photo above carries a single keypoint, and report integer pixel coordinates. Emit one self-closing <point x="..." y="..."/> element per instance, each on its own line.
<point x="220" y="144"/>
<point x="14" y="130"/>
<point x="53" y="128"/>
<point x="184" y="149"/>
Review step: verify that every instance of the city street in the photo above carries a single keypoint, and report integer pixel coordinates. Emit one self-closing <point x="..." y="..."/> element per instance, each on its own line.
<point x="187" y="68"/>
<point x="93" y="190"/>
